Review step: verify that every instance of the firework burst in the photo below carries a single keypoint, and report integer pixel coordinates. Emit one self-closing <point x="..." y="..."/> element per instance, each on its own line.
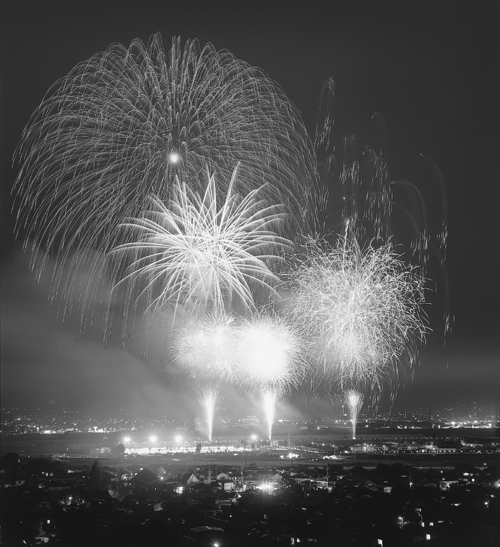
<point x="270" y="355"/>
<point x="204" y="349"/>
<point x="270" y="359"/>
<point x="195" y="252"/>
<point x="363" y="309"/>
<point x="124" y="124"/>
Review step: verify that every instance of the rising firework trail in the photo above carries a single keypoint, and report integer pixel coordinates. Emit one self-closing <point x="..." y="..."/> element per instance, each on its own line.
<point x="123" y="125"/>
<point x="354" y="401"/>
<point x="209" y="400"/>
<point x="206" y="255"/>
<point x="363" y="311"/>
<point x="269" y="399"/>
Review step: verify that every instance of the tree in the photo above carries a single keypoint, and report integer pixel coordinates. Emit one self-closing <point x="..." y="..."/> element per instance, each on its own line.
<point x="95" y="476"/>
<point x="10" y="464"/>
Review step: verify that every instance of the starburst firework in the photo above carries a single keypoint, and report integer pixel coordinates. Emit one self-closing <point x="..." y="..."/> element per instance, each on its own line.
<point x="193" y="251"/>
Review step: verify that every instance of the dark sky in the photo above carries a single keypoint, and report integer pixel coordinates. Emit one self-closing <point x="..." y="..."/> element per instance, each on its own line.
<point x="430" y="68"/>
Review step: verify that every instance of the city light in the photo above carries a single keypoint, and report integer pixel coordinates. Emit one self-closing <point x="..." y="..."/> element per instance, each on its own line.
<point x="267" y="487"/>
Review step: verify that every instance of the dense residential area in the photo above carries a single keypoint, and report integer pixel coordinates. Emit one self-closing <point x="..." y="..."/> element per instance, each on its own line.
<point x="149" y="502"/>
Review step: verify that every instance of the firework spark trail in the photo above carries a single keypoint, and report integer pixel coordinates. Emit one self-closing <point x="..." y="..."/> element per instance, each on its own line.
<point x="354" y="401"/>
<point x="363" y="309"/>
<point x="209" y="399"/>
<point x="367" y="205"/>
<point x="269" y="399"/>
<point x="270" y="359"/>
<point x="122" y="125"/>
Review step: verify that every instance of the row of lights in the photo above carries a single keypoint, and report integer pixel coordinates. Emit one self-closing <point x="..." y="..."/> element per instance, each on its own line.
<point x="178" y="439"/>
<point x="153" y="439"/>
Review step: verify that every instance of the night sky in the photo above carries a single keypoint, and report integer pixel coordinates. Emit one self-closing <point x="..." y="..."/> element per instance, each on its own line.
<point x="430" y="68"/>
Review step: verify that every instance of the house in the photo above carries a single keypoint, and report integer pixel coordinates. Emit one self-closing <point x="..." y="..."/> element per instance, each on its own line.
<point x="144" y="477"/>
<point x="157" y="469"/>
<point x="189" y="478"/>
<point x="226" y="484"/>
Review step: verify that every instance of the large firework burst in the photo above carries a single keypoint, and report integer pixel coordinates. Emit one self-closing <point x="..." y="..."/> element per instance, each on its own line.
<point x="122" y="125"/>
<point x="363" y="309"/>
<point x="193" y="251"/>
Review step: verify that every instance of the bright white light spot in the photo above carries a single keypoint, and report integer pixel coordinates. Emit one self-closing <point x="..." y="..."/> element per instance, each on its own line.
<point x="174" y="157"/>
<point x="153" y="438"/>
<point x="178" y="438"/>
<point x="266" y="487"/>
<point x="126" y="439"/>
